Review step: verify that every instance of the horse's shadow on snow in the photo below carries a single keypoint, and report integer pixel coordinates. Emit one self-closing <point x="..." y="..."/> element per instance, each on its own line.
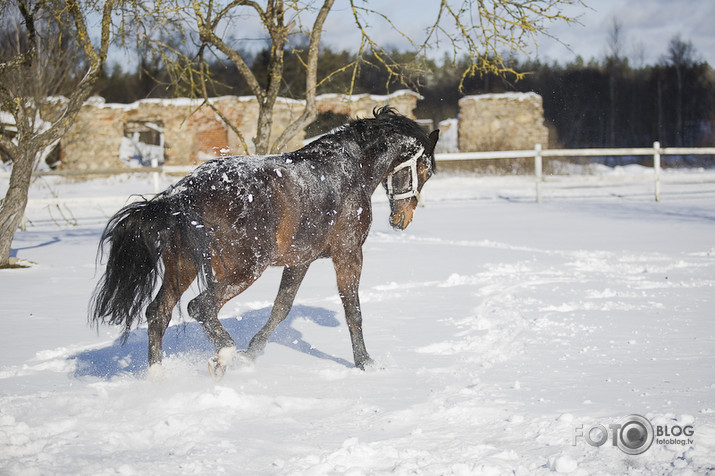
<point x="185" y="338"/>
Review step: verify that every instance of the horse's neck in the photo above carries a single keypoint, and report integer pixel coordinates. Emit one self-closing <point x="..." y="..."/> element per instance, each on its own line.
<point x="373" y="167"/>
<point x="381" y="163"/>
<point x="372" y="158"/>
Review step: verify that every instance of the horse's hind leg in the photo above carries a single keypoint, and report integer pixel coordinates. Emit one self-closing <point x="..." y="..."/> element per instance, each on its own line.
<point x="290" y="282"/>
<point x="204" y="309"/>
<point x="158" y="313"/>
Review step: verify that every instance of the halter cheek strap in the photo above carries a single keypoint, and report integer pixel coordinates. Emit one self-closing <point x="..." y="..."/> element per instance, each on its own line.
<point x="413" y="191"/>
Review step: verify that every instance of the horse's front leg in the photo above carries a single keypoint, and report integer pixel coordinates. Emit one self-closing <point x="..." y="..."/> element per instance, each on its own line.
<point x="348" y="267"/>
<point x="290" y="282"/>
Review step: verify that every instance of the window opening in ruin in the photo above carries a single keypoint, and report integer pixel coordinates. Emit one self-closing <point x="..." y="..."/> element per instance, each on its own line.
<point x="143" y="143"/>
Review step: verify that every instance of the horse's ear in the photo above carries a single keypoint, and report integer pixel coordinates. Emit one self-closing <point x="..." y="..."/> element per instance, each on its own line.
<point x="433" y="137"/>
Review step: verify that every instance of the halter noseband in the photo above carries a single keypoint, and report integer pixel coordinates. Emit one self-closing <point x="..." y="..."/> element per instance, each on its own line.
<point x="413" y="191"/>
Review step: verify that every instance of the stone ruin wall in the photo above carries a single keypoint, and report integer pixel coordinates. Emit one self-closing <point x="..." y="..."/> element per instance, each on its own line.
<point x="508" y="121"/>
<point x="192" y="134"/>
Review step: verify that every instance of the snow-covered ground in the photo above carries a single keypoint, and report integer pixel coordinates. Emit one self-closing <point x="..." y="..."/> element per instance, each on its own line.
<point x="502" y="329"/>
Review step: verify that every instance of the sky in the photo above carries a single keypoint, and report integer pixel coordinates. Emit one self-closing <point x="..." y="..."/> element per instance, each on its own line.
<point x="647" y="27"/>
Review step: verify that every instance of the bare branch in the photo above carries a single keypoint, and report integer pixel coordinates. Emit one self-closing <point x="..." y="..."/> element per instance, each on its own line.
<point x="84" y="87"/>
<point x="235" y="4"/>
<point x="25" y="88"/>
<point x="487" y="31"/>
<point x="482" y="30"/>
<point x="203" y="67"/>
<point x="206" y="29"/>
<point x="311" y="82"/>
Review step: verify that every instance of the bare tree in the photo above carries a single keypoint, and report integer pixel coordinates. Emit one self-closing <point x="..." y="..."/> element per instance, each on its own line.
<point x="681" y="56"/>
<point x="486" y="31"/>
<point x="483" y="30"/>
<point x="46" y="50"/>
<point x="616" y="63"/>
<point x="616" y="41"/>
<point x="491" y="32"/>
<point x="278" y="20"/>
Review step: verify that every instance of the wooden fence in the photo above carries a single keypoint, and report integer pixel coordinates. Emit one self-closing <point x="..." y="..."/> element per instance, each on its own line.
<point x="537" y="154"/>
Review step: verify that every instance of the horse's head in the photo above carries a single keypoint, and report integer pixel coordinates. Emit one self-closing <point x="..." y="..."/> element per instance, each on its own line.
<point x="405" y="181"/>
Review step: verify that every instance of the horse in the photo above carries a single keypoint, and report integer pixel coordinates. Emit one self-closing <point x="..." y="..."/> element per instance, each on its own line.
<point x="226" y="222"/>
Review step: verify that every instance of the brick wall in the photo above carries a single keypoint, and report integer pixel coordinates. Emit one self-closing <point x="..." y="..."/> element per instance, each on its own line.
<point x="192" y="134"/>
<point x="509" y="121"/>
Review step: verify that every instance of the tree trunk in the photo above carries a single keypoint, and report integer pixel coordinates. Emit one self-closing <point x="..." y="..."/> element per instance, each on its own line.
<point x="13" y="207"/>
<point x="679" y="107"/>
<point x="278" y="32"/>
<point x="30" y="139"/>
<point x="264" y="126"/>
<point x="612" y="110"/>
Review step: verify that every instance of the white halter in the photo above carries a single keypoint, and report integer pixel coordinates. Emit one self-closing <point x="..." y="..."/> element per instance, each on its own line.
<point x="413" y="191"/>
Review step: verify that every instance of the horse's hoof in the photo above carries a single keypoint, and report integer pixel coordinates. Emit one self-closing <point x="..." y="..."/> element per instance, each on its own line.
<point x="155" y="373"/>
<point x="219" y="362"/>
<point x="216" y="369"/>
<point x="254" y="350"/>
<point x="243" y="358"/>
<point x="367" y="363"/>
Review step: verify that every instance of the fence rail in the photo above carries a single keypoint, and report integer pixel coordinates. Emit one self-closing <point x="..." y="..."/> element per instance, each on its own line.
<point x="537" y="153"/>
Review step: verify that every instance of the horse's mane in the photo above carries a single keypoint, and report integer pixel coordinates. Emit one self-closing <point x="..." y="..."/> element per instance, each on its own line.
<point x="385" y="123"/>
<point x="373" y="132"/>
<point x="388" y="120"/>
<point x="387" y="117"/>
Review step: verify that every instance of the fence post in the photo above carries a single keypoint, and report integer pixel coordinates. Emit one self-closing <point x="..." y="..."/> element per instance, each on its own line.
<point x="656" y="169"/>
<point x="538" y="167"/>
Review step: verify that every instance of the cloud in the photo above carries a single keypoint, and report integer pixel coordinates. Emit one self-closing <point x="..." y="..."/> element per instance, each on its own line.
<point x="648" y="25"/>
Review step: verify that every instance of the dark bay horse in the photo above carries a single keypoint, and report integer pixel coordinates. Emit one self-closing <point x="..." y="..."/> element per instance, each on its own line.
<point x="231" y="218"/>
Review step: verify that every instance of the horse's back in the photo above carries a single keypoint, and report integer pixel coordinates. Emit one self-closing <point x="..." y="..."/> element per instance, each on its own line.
<point x="278" y="208"/>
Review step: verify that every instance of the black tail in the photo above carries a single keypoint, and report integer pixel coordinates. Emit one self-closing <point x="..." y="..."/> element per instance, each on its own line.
<point x="139" y="234"/>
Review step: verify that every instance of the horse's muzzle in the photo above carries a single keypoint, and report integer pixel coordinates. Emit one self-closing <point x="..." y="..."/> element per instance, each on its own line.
<point x="400" y="221"/>
<point x="402" y="212"/>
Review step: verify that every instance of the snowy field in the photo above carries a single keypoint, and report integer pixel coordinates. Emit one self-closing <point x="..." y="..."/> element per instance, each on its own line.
<point x="502" y="330"/>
